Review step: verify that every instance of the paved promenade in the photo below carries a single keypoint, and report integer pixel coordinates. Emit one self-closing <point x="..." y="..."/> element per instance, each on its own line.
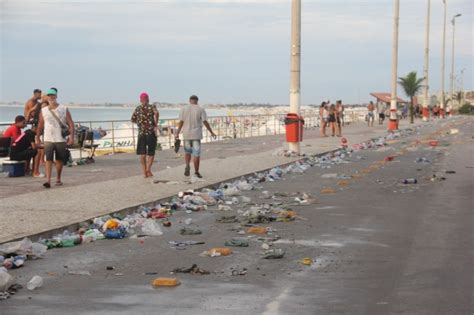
<point x="114" y="182"/>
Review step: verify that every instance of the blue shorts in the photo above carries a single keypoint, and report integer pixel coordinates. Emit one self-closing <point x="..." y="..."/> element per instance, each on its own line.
<point x="192" y="147"/>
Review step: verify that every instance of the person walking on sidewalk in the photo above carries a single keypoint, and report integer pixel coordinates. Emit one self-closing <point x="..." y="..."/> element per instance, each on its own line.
<point x="191" y="120"/>
<point x="56" y="125"/>
<point x="146" y="117"/>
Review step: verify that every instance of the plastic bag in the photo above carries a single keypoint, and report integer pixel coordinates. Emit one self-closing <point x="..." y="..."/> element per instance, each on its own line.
<point x="152" y="228"/>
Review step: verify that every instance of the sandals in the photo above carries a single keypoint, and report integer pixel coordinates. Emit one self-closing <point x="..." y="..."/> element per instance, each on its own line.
<point x="47" y="185"/>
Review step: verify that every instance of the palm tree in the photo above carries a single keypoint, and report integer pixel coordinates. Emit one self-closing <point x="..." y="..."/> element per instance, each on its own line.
<point x="411" y="85"/>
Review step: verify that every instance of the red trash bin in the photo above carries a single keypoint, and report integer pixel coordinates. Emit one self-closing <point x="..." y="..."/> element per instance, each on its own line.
<point x="294" y="127"/>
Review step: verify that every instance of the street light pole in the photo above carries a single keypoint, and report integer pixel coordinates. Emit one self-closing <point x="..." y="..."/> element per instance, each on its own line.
<point x="295" y="73"/>
<point x="453" y="21"/>
<point x="462" y="87"/>
<point x="426" y="112"/>
<point x="443" y="52"/>
<point x="393" y="121"/>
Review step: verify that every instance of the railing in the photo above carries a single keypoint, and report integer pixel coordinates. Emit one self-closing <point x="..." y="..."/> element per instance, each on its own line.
<point x="121" y="135"/>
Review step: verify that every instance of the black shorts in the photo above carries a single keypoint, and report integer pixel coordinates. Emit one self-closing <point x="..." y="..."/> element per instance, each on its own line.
<point x="382" y="116"/>
<point x="55" y="151"/>
<point x="146" y="145"/>
<point x="23" y="155"/>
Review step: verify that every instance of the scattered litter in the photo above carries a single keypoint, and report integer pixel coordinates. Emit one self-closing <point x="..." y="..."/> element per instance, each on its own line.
<point x="450" y="172"/>
<point x="237" y="242"/>
<point x="189" y="231"/>
<point x="257" y="230"/>
<point x="194" y="269"/>
<point x="217" y="252"/>
<point x="274" y="253"/>
<point x="238" y="272"/>
<point x="80" y="273"/>
<point x="227" y="219"/>
<point x="422" y="160"/>
<point x="328" y="191"/>
<point x="410" y="181"/>
<point x="224" y="208"/>
<point x="436" y="178"/>
<point x="306" y="261"/>
<point x="184" y="244"/>
<point x="151" y="227"/>
<point x="34" y="283"/>
<point x="165" y="282"/>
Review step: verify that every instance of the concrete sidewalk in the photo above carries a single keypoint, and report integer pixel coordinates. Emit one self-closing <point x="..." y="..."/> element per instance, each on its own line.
<point x="118" y="186"/>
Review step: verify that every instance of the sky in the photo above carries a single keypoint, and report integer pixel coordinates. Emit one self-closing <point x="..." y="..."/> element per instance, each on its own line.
<point x="225" y="51"/>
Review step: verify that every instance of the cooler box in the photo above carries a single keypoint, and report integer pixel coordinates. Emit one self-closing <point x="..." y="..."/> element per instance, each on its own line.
<point x="14" y="168"/>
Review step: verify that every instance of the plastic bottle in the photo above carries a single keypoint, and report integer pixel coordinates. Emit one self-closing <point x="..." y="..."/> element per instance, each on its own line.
<point x="410" y="181"/>
<point x="34" y="283"/>
<point x="5" y="279"/>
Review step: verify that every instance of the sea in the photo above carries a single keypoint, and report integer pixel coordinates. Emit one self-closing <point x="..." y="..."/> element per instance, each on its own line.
<point x="81" y="114"/>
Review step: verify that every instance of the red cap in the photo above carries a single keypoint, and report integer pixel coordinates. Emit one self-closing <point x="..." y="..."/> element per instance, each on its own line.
<point x="143" y="95"/>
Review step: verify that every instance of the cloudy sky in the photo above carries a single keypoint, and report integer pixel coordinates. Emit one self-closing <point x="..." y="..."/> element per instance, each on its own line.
<point x="223" y="50"/>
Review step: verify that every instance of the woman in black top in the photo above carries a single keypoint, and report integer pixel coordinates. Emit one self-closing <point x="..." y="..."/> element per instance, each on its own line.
<point x="332" y="120"/>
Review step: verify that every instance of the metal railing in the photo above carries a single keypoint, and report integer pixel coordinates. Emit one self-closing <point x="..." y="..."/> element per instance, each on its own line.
<point x="121" y="135"/>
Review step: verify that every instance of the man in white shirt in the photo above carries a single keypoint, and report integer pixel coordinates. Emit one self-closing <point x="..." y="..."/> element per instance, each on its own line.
<point x="192" y="118"/>
<point x="54" y="120"/>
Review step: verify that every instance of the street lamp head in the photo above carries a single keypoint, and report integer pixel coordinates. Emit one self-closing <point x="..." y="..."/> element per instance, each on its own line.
<point x="458" y="15"/>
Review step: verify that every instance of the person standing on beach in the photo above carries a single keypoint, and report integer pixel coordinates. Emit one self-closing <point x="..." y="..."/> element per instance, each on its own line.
<point x="323" y="116"/>
<point x="191" y="120"/>
<point x="332" y="120"/>
<point x="57" y="127"/>
<point x="146" y="117"/>
<point x="370" y="114"/>
<point x="339" y="117"/>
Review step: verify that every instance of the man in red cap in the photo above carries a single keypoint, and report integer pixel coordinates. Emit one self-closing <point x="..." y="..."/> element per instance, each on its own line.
<point x="146" y="117"/>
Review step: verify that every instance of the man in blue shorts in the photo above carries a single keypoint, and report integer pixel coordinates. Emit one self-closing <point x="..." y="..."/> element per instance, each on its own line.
<point x="191" y="119"/>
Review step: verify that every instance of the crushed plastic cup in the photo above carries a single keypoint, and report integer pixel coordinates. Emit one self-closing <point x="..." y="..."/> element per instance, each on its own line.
<point x="188" y="221"/>
<point x="219" y="251"/>
<point x="34" y="283"/>
<point x="165" y="282"/>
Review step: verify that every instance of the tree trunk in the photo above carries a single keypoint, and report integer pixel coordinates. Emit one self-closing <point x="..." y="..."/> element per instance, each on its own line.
<point x="412" y="119"/>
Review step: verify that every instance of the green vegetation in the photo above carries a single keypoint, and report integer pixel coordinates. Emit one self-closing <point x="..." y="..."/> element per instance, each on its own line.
<point x="466" y="109"/>
<point x="411" y="85"/>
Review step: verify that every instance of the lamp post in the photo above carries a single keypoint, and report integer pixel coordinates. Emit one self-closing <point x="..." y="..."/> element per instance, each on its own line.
<point x="426" y="112"/>
<point x="393" y="121"/>
<point x="443" y="52"/>
<point x="295" y="65"/>
<point x="462" y="87"/>
<point x="453" y="21"/>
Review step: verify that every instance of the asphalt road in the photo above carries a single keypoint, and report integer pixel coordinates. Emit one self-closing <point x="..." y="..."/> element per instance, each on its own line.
<point x="379" y="247"/>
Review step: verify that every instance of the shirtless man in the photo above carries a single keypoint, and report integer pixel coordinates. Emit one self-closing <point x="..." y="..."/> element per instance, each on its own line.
<point x="370" y="114"/>
<point x="32" y="111"/>
<point x="32" y="108"/>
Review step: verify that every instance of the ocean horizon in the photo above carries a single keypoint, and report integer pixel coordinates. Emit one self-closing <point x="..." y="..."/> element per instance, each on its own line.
<point x="85" y="114"/>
